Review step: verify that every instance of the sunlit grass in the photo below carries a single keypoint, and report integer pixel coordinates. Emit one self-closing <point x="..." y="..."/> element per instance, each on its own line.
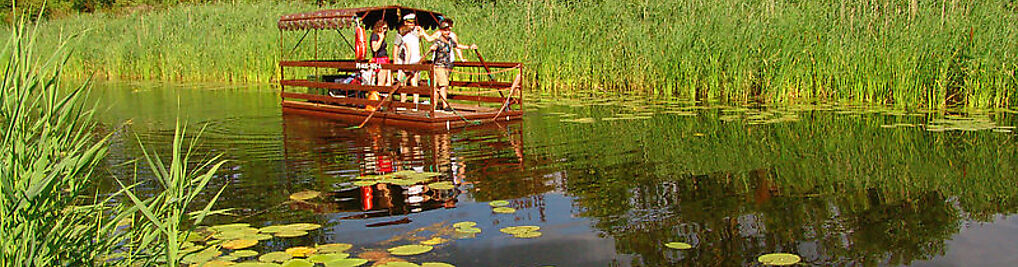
<point x="887" y="52"/>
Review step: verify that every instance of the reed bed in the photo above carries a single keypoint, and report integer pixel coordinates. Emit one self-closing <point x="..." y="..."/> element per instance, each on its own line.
<point x="906" y="53"/>
<point x="53" y="215"/>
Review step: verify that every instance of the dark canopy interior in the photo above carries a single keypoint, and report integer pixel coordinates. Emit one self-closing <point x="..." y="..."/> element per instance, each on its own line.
<point x="342" y="18"/>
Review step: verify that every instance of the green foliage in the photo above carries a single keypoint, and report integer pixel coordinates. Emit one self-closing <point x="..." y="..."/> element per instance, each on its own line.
<point x="50" y="216"/>
<point x="913" y="54"/>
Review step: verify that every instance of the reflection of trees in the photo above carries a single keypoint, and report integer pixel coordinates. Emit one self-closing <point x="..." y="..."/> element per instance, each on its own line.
<point x="839" y="191"/>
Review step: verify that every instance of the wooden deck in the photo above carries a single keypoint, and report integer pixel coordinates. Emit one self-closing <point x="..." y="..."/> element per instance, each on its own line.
<point x="404" y="118"/>
<point x="393" y="112"/>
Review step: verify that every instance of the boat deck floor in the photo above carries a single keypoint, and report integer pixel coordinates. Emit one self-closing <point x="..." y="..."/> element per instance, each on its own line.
<point x="464" y="115"/>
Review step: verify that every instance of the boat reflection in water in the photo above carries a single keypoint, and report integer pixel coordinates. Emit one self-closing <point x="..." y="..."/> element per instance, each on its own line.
<point x="404" y="165"/>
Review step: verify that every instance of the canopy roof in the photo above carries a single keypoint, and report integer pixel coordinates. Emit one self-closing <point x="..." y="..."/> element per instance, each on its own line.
<point x="343" y="18"/>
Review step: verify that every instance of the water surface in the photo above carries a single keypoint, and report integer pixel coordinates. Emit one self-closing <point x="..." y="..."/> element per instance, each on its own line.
<point x="609" y="181"/>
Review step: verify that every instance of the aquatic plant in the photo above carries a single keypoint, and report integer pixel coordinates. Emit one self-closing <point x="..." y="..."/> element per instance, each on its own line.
<point x="52" y="216"/>
<point x="904" y="53"/>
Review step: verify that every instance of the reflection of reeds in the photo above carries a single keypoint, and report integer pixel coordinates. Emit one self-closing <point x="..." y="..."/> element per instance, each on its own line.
<point x="899" y="52"/>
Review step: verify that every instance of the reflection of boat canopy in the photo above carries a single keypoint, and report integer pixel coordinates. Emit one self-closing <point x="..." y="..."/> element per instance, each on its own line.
<point x="484" y="91"/>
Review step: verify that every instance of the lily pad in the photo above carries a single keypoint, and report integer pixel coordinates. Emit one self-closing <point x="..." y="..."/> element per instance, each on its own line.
<point x="678" y="245"/>
<point x="365" y="183"/>
<point x="499" y="203"/>
<point x="255" y="264"/>
<point x="244" y="253"/>
<point x="373" y="255"/>
<point x="239" y="244"/>
<point x="305" y="195"/>
<point x="512" y="230"/>
<point x="436" y="264"/>
<point x="468" y="230"/>
<point x="333" y="248"/>
<point x="434" y="241"/>
<point x="202" y="256"/>
<point x="277" y="256"/>
<point x="531" y="234"/>
<point x="779" y="259"/>
<point x="301" y="251"/>
<point x="399" y="264"/>
<point x="259" y="237"/>
<point x="464" y="224"/>
<point x="235" y="234"/>
<point x="303" y="226"/>
<point x="323" y="258"/>
<point x="442" y="185"/>
<point x="406" y="250"/>
<point x="353" y="262"/>
<point x="298" y="263"/>
<point x="218" y="263"/>
<point x="291" y="233"/>
<point x="228" y="227"/>
<point x="272" y="229"/>
<point x="503" y="210"/>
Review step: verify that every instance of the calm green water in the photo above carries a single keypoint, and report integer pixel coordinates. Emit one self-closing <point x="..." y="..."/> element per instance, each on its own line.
<point x="610" y="182"/>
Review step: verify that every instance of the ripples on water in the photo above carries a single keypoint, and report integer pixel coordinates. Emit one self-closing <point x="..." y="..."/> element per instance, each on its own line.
<point x="608" y="182"/>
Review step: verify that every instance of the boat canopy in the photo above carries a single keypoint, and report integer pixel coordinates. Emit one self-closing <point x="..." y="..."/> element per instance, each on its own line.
<point x="344" y="18"/>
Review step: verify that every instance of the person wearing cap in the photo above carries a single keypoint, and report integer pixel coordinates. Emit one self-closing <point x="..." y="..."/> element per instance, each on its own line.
<point x="452" y="35"/>
<point x="408" y="51"/>
<point x="443" y="60"/>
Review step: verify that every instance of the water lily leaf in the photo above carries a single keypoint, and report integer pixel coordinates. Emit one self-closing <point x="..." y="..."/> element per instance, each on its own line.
<point x="272" y="229"/>
<point x="678" y="245"/>
<point x="434" y="241"/>
<point x="239" y="244"/>
<point x="498" y="203"/>
<point x="235" y="234"/>
<point x="277" y="256"/>
<point x="346" y="262"/>
<point x="399" y="264"/>
<point x="531" y="234"/>
<point x="323" y="258"/>
<point x="298" y="263"/>
<point x="218" y="263"/>
<point x="333" y="248"/>
<point x="464" y="224"/>
<point x="301" y="251"/>
<point x="503" y="210"/>
<point x="258" y="237"/>
<point x="365" y="183"/>
<point x="290" y="233"/>
<point x="373" y="255"/>
<point x="512" y="230"/>
<point x="779" y="259"/>
<point x="468" y="230"/>
<point x="244" y="253"/>
<point x="228" y="227"/>
<point x="202" y="256"/>
<point x="227" y="258"/>
<point x="255" y="264"/>
<point x="436" y="264"/>
<point x="305" y="195"/>
<point x="303" y="226"/>
<point x="410" y="250"/>
<point x="442" y="185"/>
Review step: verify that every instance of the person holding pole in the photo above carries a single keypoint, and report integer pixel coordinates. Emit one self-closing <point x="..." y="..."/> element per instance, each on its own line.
<point x="443" y="49"/>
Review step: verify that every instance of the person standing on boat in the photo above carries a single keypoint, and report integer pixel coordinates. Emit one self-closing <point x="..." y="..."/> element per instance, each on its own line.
<point x="408" y="49"/>
<point x="452" y="35"/>
<point x="380" y="53"/>
<point x="443" y="49"/>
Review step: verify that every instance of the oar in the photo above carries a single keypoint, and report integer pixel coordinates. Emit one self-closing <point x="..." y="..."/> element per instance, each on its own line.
<point x="378" y="108"/>
<point x="485" y="65"/>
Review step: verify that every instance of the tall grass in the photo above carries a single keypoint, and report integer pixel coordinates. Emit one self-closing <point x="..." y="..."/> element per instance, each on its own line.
<point x="909" y="53"/>
<point x="50" y="156"/>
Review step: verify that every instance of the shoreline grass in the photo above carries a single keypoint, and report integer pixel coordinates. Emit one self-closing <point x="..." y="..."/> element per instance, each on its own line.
<point x="909" y="54"/>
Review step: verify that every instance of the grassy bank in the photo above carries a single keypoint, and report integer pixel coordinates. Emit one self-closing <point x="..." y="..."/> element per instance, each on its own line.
<point x="905" y="53"/>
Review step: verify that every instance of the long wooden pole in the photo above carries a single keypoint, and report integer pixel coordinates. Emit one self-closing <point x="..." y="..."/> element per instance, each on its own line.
<point x="486" y="68"/>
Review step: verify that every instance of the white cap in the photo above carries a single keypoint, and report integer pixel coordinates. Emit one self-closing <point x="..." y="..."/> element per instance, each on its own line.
<point x="410" y="16"/>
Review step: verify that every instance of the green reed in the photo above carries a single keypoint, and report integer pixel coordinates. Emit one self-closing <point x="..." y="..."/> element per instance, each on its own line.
<point x="52" y="213"/>
<point x="904" y="53"/>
